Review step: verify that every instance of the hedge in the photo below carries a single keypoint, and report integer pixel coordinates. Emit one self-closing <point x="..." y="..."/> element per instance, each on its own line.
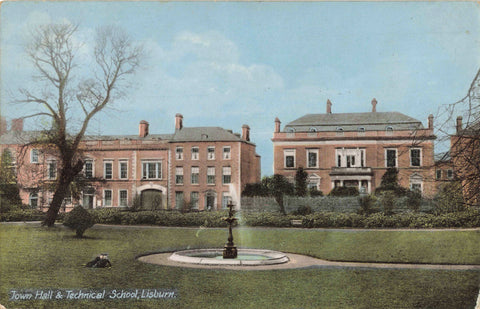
<point x="463" y="219"/>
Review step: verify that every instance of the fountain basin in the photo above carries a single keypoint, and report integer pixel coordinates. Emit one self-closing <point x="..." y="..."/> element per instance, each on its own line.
<point x="246" y="257"/>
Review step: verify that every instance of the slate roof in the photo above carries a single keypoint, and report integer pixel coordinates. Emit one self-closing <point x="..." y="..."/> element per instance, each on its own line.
<point x="194" y="134"/>
<point x="198" y="134"/>
<point x="371" y="121"/>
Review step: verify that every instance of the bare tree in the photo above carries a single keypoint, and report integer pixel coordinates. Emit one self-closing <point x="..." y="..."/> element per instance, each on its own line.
<point x="464" y="117"/>
<point x="70" y="95"/>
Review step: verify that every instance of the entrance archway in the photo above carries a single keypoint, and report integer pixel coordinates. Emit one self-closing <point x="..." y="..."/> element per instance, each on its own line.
<point x="151" y="199"/>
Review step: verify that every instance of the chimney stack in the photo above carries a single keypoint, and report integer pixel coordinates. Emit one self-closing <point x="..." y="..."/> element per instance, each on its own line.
<point x="374" y="105"/>
<point x="329" y="107"/>
<point x="246" y="133"/>
<point x="178" y="121"/>
<point x="459" y="124"/>
<point x="143" y="128"/>
<point x="430" y="122"/>
<point x="3" y="125"/>
<point x="17" y="125"/>
<point x="277" y="125"/>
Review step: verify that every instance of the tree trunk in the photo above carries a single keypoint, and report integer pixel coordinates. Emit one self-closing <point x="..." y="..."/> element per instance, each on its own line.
<point x="59" y="195"/>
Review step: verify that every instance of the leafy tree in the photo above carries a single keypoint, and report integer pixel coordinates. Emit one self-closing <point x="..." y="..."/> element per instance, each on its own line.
<point x="9" y="194"/>
<point x="301" y="182"/>
<point x="387" y="201"/>
<point x="79" y="219"/>
<point x="390" y="183"/>
<point x="414" y="200"/>
<point x="276" y="186"/>
<point x="69" y="96"/>
<point x="450" y="198"/>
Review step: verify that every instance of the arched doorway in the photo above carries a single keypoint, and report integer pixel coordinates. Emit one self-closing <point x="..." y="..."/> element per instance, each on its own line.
<point x="210" y="200"/>
<point x="151" y="199"/>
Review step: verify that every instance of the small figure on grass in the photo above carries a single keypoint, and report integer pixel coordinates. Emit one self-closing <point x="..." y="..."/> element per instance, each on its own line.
<point x="100" y="261"/>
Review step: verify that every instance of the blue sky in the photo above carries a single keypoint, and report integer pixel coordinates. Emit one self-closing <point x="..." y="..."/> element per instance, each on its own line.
<point x="232" y="63"/>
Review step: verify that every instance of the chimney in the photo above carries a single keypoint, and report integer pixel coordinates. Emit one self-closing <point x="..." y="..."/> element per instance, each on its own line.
<point x="178" y="121"/>
<point x="246" y="132"/>
<point x="17" y="125"/>
<point x="374" y="105"/>
<point x="459" y="124"/>
<point x="430" y="122"/>
<point x="143" y="128"/>
<point x="3" y="125"/>
<point x="277" y="125"/>
<point x="329" y="107"/>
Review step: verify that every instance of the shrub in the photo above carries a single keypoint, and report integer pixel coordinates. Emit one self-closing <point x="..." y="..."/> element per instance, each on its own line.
<point x="303" y="211"/>
<point x="366" y="204"/>
<point x="387" y="201"/>
<point x="313" y="192"/>
<point x="79" y="219"/>
<point x="450" y="198"/>
<point x="414" y="200"/>
<point x="344" y="191"/>
<point x="22" y="215"/>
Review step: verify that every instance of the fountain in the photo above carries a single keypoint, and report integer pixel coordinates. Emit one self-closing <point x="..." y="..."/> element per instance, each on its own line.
<point x="230" y="251"/>
<point x="228" y="256"/>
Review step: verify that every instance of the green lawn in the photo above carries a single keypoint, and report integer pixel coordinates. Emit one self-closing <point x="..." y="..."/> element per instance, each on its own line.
<point x="39" y="258"/>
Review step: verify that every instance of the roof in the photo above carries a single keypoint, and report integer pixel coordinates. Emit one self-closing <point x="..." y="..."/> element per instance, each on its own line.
<point x="194" y="134"/>
<point x="371" y="121"/>
<point x="198" y="134"/>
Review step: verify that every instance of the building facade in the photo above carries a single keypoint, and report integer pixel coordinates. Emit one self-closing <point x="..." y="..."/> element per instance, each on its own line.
<point x="196" y="167"/>
<point x="355" y="149"/>
<point x="465" y="154"/>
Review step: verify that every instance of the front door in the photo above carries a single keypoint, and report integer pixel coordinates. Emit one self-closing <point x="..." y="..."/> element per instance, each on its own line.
<point x="210" y="201"/>
<point x="151" y="199"/>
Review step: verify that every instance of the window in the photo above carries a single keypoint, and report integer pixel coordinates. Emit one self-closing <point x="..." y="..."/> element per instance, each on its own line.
<point x="34" y="156"/>
<point x="152" y="170"/>
<point x="195" y="153"/>
<point x="107" y="170"/>
<point x="350" y="157"/>
<point x="179" y="200"/>
<point x="416" y="182"/>
<point x="391" y="157"/>
<point x="361" y="130"/>
<point x="88" y="169"/>
<point x="312" y="129"/>
<point x="210" y="175"/>
<point x="438" y="174"/>
<point x="415" y="157"/>
<point x="195" y="175"/>
<point x="179" y="175"/>
<point x="226" y="153"/>
<point x="226" y="199"/>
<point x="312" y="157"/>
<point x="289" y="158"/>
<point x="52" y="170"/>
<point x="211" y="153"/>
<point x="179" y="153"/>
<point x="449" y="174"/>
<point x="123" y="169"/>
<point x="107" y="198"/>
<point x="123" y="197"/>
<point x="33" y="200"/>
<point x="227" y="174"/>
<point x="194" y="200"/>
<point x="339" y="131"/>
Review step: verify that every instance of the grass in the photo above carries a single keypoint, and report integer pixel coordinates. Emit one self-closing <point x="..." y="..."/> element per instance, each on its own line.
<point x="38" y="258"/>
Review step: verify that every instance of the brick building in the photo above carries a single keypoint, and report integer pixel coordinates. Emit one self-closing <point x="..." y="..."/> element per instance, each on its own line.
<point x="355" y="149"/>
<point x="199" y="167"/>
<point x="465" y="153"/>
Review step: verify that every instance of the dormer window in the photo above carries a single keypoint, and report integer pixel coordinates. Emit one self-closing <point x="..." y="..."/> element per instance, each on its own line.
<point x="312" y="130"/>
<point x="339" y="131"/>
<point x="389" y="130"/>
<point x="361" y="130"/>
<point x="290" y="130"/>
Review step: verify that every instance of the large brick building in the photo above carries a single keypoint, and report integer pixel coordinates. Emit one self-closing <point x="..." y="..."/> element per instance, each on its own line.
<point x="355" y="149"/>
<point x="465" y="156"/>
<point x="202" y="167"/>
